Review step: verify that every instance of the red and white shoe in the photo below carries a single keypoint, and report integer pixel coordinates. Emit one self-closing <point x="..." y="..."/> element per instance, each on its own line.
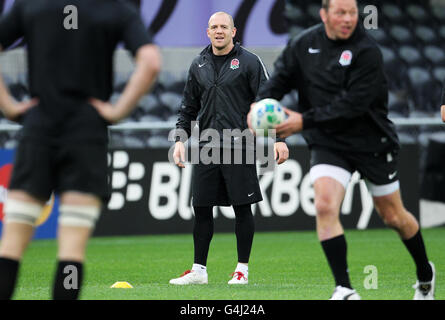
<point x="238" y="278"/>
<point x="191" y="277"/>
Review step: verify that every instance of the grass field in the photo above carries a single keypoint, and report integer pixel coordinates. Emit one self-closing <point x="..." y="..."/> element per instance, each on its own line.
<point x="283" y="266"/>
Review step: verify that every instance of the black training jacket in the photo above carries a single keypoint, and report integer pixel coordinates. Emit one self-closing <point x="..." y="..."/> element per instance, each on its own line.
<point x="221" y="101"/>
<point x="342" y="90"/>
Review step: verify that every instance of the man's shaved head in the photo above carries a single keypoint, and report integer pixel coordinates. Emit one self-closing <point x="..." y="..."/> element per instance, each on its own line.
<point x="221" y="32"/>
<point x="232" y="23"/>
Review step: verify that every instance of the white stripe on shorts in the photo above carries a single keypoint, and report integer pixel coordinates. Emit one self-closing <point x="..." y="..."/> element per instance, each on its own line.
<point x="382" y="190"/>
<point x="327" y="170"/>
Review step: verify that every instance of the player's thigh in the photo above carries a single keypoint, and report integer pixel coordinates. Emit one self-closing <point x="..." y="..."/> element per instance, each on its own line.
<point x="83" y="174"/>
<point x="80" y="198"/>
<point x="32" y="177"/>
<point x="82" y="182"/>
<point x="330" y="174"/>
<point x="389" y="206"/>
<point x="23" y="196"/>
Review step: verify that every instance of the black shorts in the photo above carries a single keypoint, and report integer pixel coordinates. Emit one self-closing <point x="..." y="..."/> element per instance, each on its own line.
<point x="40" y="169"/>
<point x="378" y="169"/>
<point x="225" y="185"/>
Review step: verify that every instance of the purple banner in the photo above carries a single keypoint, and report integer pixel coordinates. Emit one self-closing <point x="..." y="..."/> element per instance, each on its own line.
<point x="183" y="23"/>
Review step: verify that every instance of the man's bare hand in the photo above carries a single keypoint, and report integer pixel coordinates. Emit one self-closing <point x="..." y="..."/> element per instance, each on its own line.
<point x="179" y="154"/>
<point x="281" y="152"/>
<point x="249" y="118"/>
<point x="107" y="111"/>
<point x="293" y="124"/>
<point x="14" y="110"/>
<point x="442" y="112"/>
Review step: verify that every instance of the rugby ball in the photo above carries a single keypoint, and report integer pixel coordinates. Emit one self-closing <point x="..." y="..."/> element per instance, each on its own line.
<point x="265" y="115"/>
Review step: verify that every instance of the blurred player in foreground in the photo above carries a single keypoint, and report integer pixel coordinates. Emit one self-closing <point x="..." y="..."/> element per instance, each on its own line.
<point x="63" y="143"/>
<point x="338" y="72"/>
<point x="223" y="81"/>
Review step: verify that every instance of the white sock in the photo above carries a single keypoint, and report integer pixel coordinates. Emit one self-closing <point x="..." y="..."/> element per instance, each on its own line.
<point x="199" y="268"/>
<point x="242" y="268"/>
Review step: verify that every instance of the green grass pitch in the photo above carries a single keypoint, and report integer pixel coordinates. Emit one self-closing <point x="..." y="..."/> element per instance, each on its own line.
<point x="283" y="266"/>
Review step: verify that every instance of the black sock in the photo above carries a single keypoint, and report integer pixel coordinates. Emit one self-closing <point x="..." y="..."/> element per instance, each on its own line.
<point x="202" y="233"/>
<point x="335" y="250"/>
<point x="67" y="280"/>
<point x="244" y="231"/>
<point x="8" y="276"/>
<point x="416" y="248"/>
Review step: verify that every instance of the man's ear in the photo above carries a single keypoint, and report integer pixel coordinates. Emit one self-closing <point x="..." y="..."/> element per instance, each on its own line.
<point x="323" y="15"/>
<point x="233" y="32"/>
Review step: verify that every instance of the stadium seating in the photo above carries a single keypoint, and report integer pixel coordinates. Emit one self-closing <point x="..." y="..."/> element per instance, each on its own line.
<point x="393" y="13"/>
<point x="439" y="74"/>
<point x="426" y="35"/>
<point x="422" y="89"/>
<point x="402" y="35"/>
<point x="380" y="36"/>
<point x="398" y="105"/>
<point x="434" y="55"/>
<point x="410" y="34"/>
<point x="411" y="56"/>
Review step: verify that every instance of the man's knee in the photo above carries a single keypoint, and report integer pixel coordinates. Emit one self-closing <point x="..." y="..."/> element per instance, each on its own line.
<point x="243" y="212"/>
<point x="328" y="221"/>
<point x="391" y="219"/>
<point x="329" y="194"/>
<point x="326" y="207"/>
<point x="391" y="213"/>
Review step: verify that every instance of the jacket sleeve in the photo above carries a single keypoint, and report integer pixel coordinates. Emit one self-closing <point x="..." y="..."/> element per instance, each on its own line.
<point x="11" y="26"/>
<point x="362" y="88"/>
<point x="258" y="76"/>
<point x="285" y="76"/>
<point x="190" y="106"/>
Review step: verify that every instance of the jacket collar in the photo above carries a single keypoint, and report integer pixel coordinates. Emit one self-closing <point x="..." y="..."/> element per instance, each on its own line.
<point x="208" y="50"/>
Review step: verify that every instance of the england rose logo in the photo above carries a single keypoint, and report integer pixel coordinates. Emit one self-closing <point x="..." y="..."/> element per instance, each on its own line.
<point x="346" y="58"/>
<point x="234" y="64"/>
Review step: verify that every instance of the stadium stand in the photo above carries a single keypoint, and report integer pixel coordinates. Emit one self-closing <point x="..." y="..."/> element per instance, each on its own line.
<point x="411" y="35"/>
<point x="426" y="35"/>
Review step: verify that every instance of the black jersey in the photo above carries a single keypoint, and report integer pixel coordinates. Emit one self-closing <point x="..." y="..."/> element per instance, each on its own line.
<point x="342" y="90"/>
<point x="69" y="65"/>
